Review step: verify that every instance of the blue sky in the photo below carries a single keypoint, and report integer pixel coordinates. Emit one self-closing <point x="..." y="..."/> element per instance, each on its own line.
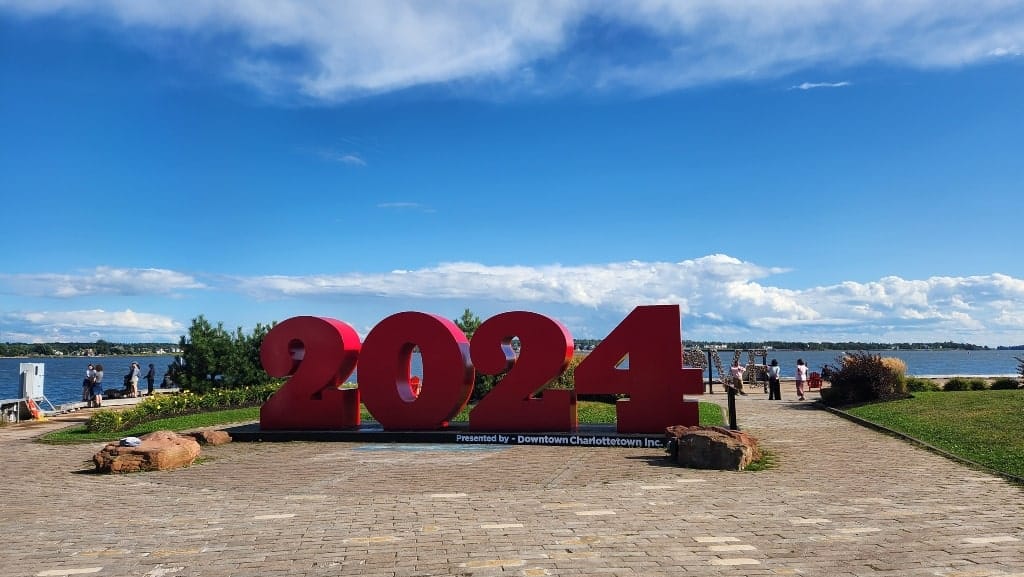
<point x="814" y="171"/>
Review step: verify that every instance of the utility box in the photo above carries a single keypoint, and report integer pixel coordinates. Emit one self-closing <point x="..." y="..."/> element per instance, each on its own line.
<point x="32" y="380"/>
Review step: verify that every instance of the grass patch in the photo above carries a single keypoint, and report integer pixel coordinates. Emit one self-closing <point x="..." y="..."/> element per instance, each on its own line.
<point x="711" y="415"/>
<point x="767" y="461"/>
<point x="982" y="426"/>
<point x="589" y="412"/>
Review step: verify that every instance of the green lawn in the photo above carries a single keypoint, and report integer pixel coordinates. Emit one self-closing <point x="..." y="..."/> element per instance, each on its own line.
<point x="983" y="426"/>
<point x="588" y="412"/>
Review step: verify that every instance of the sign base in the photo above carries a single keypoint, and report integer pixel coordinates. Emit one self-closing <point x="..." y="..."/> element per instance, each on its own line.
<point x="604" y="436"/>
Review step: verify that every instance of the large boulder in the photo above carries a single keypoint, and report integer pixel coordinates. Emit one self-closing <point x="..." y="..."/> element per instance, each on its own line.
<point x="157" y="451"/>
<point x="211" y="437"/>
<point x="711" y="447"/>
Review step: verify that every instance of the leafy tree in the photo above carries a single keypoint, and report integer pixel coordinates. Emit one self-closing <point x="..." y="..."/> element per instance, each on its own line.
<point x="214" y="358"/>
<point x="483" y="384"/>
<point x="245" y="367"/>
<point x="102" y="347"/>
<point x="469" y="323"/>
<point x="42" y="349"/>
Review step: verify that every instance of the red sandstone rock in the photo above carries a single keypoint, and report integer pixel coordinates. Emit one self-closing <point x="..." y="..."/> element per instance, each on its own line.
<point x="712" y="447"/>
<point x="159" y="451"/>
<point x="211" y="437"/>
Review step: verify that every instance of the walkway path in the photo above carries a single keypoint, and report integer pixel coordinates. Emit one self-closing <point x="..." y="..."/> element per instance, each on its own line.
<point x="843" y="500"/>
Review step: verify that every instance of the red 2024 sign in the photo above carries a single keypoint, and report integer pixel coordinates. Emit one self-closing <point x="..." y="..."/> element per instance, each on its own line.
<point x="650" y="336"/>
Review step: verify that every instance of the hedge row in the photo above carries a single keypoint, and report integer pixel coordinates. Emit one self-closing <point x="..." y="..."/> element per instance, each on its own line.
<point x="916" y="384"/>
<point x="185" y="403"/>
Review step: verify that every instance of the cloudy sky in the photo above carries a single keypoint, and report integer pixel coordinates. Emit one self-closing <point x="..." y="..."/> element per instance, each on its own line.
<point x="795" y="170"/>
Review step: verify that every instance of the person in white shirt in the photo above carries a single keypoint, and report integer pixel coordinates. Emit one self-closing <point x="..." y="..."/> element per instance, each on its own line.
<point x="801" y="378"/>
<point x="90" y="373"/>
<point x="774" y="386"/>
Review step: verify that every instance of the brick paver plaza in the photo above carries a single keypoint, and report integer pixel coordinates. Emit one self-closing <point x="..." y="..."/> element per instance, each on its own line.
<point x="842" y="500"/>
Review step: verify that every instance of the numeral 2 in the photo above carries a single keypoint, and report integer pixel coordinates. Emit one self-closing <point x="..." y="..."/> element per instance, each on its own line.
<point x="546" y="347"/>
<point x="317" y="353"/>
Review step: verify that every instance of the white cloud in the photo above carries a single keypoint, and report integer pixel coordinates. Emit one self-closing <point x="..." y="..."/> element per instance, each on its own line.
<point x="335" y="50"/>
<point x="349" y="158"/>
<point x="352" y="160"/>
<point x="88" y="325"/>
<point x="717" y="293"/>
<point x="721" y="297"/>
<point x="616" y="285"/>
<point x="401" y="205"/>
<point x="812" y="85"/>
<point x="101" y="280"/>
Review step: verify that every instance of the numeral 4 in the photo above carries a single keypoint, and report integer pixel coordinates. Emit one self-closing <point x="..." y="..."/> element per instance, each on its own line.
<point x="650" y="338"/>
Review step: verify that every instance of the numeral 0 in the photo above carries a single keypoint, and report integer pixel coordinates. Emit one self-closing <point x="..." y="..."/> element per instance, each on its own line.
<point x="318" y="352"/>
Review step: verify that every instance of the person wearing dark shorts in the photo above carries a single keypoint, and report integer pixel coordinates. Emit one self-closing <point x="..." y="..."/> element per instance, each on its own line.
<point x="150" y="377"/>
<point x="97" y="386"/>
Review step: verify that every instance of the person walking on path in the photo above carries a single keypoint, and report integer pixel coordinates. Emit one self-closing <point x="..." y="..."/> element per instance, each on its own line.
<point x="150" y="377"/>
<point x="774" y="384"/>
<point x="801" y="378"/>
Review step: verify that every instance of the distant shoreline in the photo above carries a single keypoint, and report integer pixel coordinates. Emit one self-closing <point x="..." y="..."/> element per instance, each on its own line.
<point x="89" y="356"/>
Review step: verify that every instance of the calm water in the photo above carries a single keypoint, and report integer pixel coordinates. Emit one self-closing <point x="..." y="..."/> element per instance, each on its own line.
<point x="919" y="363"/>
<point x="63" y="380"/>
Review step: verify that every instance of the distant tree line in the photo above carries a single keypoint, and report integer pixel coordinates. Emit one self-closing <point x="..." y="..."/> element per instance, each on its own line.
<point x="467" y="323"/>
<point x="100" y="347"/>
<point x="588" y="344"/>
<point x="837" y="346"/>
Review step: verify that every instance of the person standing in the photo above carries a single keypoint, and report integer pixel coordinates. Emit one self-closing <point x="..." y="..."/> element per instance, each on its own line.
<point x="774" y="381"/>
<point x="150" y="377"/>
<point x="736" y="371"/>
<point x="87" y="384"/>
<point x="133" y="380"/>
<point x="97" y="386"/>
<point x="801" y="378"/>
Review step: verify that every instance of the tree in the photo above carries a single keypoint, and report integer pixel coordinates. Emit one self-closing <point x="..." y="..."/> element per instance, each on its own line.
<point x="245" y="367"/>
<point x="469" y="323"/>
<point x="483" y="384"/>
<point x="215" y="358"/>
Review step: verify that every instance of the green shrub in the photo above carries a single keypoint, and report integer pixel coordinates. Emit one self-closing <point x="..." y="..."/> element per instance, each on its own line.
<point x="185" y="403"/>
<point x="567" y="379"/>
<point x="978" y="384"/>
<point x="919" y="385"/>
<point x="863" y="377"/>
<point x="105" y="421"/>
<point x="1004" y="383"/>
<point x="957" y="384"/>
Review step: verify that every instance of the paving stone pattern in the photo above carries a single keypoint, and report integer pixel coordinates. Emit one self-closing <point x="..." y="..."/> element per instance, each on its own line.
<point x="843" y="500"/>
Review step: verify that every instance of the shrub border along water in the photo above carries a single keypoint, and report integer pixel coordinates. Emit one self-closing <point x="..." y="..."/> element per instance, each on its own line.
<point x="185" y="403"/>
